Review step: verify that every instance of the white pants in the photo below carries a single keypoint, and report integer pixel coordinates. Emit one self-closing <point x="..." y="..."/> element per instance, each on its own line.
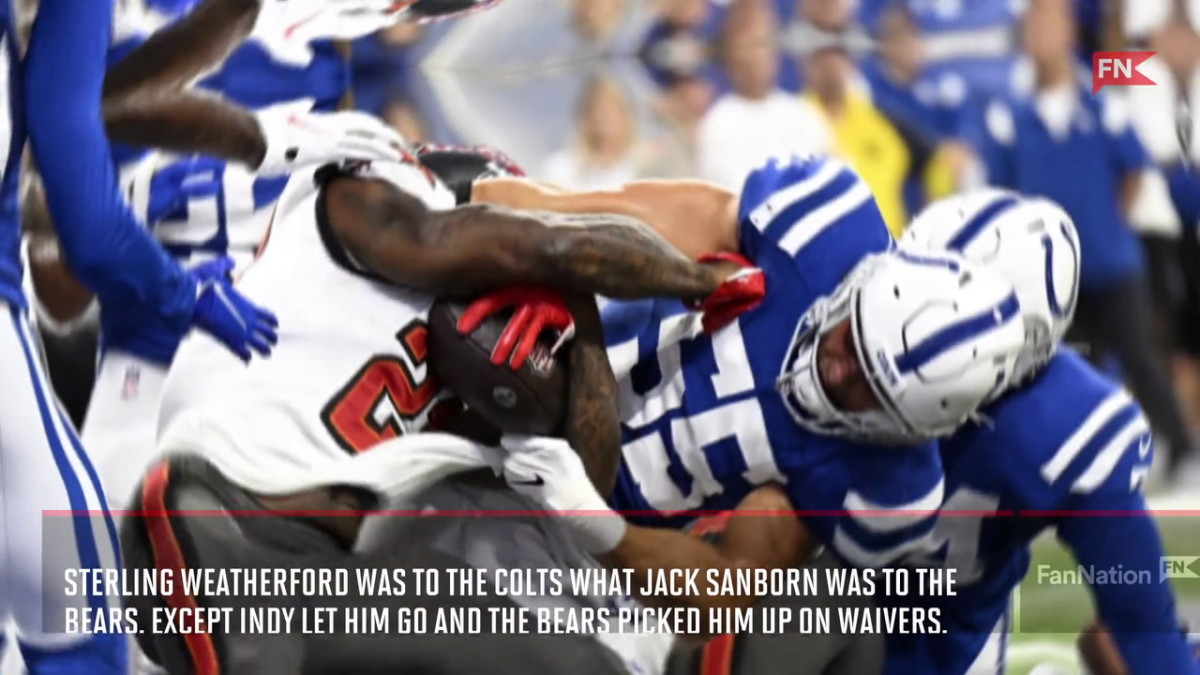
<point x="122" y="422"/>
<point x="51" y="504"/>
<point x="120" y="434"/>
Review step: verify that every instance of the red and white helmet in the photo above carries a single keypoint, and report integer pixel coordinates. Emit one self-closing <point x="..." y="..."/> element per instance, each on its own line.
<point x="1029" y="241"/>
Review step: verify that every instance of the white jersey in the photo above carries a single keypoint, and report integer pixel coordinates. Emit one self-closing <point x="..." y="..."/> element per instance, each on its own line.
<point x="349" y="371"/>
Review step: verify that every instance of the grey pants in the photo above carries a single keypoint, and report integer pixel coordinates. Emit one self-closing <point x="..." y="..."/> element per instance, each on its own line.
<point x="791" y="654"/>
<point x="236" y="541"/>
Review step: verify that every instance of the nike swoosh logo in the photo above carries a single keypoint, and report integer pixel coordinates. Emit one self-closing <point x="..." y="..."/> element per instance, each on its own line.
<point x="537" y="480"/>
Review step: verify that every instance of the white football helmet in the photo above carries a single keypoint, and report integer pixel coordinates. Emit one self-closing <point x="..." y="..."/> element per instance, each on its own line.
<point x="936" y="336"/>
<point x="1029" y="241"/>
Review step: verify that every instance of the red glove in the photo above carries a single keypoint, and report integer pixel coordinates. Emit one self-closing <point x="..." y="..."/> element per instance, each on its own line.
<point x="536" y="309"/>
<point x="740" y="293"/>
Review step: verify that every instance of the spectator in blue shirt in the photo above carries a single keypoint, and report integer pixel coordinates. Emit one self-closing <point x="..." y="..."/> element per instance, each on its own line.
<point x="1080" y="150"/>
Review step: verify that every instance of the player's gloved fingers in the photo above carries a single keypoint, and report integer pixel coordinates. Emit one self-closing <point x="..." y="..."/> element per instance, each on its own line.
<point x="360" y="124"/>
<point x="267" y="330"/>
<point x="235" y="344"/>
<point x="358" y="148"/>
<point x="376" y="147"/>
<point x="528" y="340"/>
<point x="258" y="344"/>
<point x="512" y="334"/>
<point x="360" y="22"/>
<point x="266" y="317"/>
<point x="477" y="311"/>
<point x="218" y="268"/>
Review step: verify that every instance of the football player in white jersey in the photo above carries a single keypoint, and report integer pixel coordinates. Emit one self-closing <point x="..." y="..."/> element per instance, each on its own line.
<point x="148" y="101"/>
<point x="353" y="257"/>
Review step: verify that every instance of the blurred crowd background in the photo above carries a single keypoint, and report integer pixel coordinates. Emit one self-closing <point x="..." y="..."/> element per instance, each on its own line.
<point x="924" y="98"/>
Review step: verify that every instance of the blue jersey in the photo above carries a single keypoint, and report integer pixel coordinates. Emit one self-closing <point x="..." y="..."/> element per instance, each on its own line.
<point x="12" y="140"/>
<point x="232" y="220"/>
<point x="703" y="421"/>
<point x="1069" y="443"/>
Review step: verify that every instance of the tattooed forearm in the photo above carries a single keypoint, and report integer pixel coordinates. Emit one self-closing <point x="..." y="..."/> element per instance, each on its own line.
<point x="620" y="257"/>
<point x="472" y="249"/>
<point x="189" y="122"/>
<point x="593" y="424"/>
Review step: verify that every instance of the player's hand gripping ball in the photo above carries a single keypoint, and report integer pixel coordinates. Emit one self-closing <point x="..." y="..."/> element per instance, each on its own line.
<point x="523" y="396"/>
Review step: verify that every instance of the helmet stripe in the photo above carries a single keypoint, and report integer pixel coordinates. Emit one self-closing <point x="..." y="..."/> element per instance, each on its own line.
<point x="976" y="224"/>
<point x="954" y="334"/>
<point x="1051" y="295"/>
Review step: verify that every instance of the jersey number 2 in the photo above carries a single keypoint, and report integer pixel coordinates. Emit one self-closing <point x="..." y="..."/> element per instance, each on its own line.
<point x="381" y="396"/>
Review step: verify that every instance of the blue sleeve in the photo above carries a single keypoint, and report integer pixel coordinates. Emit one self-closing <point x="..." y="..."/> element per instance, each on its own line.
<point x="1126" y="148"/>
<point x="993" y="133"/>
<point x="1140" y="616"/>
<point x="813" y="212"/>
<point x="104" y="244"/>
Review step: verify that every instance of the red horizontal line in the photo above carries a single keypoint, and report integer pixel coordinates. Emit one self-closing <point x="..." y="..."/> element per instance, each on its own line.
<point x="414" y="513"/>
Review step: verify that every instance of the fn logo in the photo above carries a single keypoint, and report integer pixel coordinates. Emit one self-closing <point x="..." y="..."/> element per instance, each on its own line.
<point x="1118" y="68"/>
<point x="1177" y="567"/>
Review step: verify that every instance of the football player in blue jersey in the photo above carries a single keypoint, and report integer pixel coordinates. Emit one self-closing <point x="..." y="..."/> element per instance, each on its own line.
<point x="1066" y="449"/>
<point x="57" y="96"/>
<point x="833" y="386"/>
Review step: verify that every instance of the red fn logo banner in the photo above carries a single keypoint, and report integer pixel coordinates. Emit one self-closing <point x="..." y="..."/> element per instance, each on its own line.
<point x="1118" y="68"/>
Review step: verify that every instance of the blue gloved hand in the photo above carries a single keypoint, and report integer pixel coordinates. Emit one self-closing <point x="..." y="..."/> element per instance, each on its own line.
<point x="227" y="315"/>
<point x="174" y="185"/>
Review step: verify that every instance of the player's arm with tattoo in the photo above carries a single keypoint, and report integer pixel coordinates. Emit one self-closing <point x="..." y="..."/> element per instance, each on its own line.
<point x="472" y="249"/>
<point x="593" y="424"/>
<point x="694" y="216"/>
<point x="146" y="102"/>
<point x="190" y="122"/>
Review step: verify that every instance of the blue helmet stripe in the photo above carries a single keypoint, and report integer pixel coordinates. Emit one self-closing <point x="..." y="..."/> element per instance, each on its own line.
<point x="975" y="225"/>
<point x="929" y="260"/>
<point x="954" y="334"/>
<point x="1051" y="296"/>
<point x="1075" y="263"/>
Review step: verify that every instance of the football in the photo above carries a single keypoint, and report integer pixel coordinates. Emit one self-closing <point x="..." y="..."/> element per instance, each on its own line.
<point x="531" y="400"/>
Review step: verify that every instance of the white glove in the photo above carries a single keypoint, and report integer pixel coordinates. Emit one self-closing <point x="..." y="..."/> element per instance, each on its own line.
<point x="295" y="138"/>
<point x="549" y="471"/>
<point x="288" y="27"/>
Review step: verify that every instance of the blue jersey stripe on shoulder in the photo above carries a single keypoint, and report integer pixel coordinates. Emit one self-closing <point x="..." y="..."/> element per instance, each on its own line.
<point x="1133" y="435"/>
<point x="803" y="191"/>
<point x="1116" y="405"/>
<point x="801" y="221"/>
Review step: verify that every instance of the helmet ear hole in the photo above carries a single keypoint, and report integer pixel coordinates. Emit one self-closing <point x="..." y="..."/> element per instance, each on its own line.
<point x="896" y="291"/>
